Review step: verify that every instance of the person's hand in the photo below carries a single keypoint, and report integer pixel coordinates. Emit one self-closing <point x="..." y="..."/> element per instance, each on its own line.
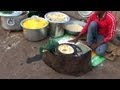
<point x="84" y="42"/>
<point x="74" y="40"/>
<point x="93" y="46"/>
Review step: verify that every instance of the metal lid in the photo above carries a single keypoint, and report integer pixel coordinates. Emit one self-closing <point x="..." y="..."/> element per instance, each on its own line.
<point x="14" y="13"/>
<point x="85" y="13"/>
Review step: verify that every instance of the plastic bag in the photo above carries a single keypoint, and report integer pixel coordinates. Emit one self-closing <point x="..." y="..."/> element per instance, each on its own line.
<point x="96" y="60"/>
<point x="50" y="46"/>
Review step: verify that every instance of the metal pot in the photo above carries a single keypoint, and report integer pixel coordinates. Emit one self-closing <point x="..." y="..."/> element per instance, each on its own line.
<point x="13" y="22"/>
<point x="85" y="13"/>
<point x="36" y="34"/>
<point x="56" y="28"/>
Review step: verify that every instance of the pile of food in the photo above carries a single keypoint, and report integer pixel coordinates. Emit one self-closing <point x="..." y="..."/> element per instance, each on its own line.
<point x="66" y="49"/>
<point x="57" y="17"/>
<point x="35" y="23"/>
<point x="74" y="27"/>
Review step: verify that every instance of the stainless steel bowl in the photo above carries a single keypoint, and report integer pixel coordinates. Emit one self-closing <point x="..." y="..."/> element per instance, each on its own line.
<point x="81" y="23"/>
<point x="35" y="34"/>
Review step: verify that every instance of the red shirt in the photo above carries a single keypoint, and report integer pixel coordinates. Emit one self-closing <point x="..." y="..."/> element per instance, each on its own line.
<point x="106" y="26"/>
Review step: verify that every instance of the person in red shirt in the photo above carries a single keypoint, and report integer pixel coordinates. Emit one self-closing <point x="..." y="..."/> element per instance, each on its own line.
<point x="100" y="29"/>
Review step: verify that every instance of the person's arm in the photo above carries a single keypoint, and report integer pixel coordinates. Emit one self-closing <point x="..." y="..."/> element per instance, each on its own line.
<point x="111" y="29"/>
<point x="85" y="28"/>
<point x="94" y="46"/>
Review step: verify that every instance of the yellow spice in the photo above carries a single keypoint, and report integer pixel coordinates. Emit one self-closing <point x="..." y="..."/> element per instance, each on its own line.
<point x="35" y="23"/>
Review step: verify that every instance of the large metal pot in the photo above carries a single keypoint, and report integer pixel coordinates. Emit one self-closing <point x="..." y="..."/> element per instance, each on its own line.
<point x="56" y="28"/>
<point x="13" y="22"/>
<point x="36" y="34"/>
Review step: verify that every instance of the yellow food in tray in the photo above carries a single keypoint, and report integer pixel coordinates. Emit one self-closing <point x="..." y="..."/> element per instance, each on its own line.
<point x="66" y="49"/>
<point x="35" y="23"/>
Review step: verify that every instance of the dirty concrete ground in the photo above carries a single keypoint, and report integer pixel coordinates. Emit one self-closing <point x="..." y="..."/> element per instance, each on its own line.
<point x="15" y="50"/>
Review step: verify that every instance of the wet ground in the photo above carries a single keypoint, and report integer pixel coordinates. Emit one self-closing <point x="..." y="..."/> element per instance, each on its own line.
<point x="15" y="51"/>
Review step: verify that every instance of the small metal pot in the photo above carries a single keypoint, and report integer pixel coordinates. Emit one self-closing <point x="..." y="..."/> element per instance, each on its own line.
<point x="36" y="34"/>
<point x="13" y="22"/>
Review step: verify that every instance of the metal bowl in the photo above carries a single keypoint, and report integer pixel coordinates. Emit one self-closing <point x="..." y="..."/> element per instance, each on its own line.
<point x="81" y="23"/>
<point x="85" y="13"/>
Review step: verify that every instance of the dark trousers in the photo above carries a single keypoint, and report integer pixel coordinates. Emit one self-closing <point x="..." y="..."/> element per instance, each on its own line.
<point x="94" y="37"/>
